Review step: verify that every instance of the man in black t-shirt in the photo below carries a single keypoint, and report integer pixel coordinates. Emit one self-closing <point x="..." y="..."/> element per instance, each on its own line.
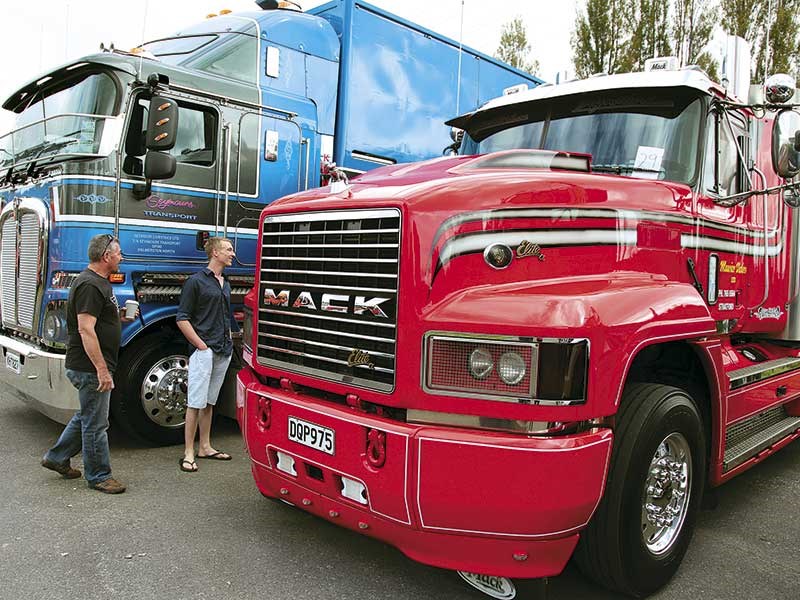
<point x="93" y="329"/>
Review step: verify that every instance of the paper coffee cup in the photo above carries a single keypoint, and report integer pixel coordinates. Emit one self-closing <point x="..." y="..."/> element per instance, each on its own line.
<point x="131" y="306"/>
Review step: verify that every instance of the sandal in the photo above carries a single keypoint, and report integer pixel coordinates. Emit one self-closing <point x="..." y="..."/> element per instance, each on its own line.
<point x="215" y="456"/>
<point x="192" y="468"/>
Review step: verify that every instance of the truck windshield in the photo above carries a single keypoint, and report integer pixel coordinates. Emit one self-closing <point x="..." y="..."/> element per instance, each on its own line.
<point x="66" y="119"/>
<point x="226" y="46"/>
<point x="645" y="134"/>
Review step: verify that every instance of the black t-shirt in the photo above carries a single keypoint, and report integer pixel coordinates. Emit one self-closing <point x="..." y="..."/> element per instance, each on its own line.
<point x="93" y="295"/>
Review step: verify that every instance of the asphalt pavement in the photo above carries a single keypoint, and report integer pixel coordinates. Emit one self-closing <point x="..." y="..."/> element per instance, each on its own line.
<point x="211" y="535"/>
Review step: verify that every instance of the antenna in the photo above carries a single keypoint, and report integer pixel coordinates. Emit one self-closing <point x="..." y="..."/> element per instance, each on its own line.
<point x="766" y="44"/>
<point x="460" y="44"/>
<point x="66" y="34"/>
<point x="144" y="30"/>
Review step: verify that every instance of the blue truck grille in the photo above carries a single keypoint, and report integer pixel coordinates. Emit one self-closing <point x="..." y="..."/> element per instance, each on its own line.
<point x="328" y="295"/>
<point x="21" y="270"/>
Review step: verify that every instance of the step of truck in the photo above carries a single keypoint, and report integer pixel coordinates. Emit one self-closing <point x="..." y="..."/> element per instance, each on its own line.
<point x="764" y="370"/>
<point x="747" y="438"/>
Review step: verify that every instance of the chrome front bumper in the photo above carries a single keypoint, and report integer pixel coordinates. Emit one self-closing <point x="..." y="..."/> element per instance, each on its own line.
<point x="41" y="381"/>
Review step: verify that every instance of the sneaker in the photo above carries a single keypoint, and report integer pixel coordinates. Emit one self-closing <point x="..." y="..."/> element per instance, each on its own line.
<point x="109" y="486"/>
<point x="64" y="470"/>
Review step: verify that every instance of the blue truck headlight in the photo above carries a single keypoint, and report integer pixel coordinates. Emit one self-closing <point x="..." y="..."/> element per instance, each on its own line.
<point x="54" y="330"/>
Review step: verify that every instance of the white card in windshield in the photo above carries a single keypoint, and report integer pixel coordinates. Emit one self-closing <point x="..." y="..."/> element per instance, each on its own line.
<point x="648" y="159"/>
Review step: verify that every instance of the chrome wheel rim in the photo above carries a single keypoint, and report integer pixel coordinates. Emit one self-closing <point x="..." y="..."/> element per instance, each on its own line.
<point x="164" y="390"/>
<point x="666" y="494"/>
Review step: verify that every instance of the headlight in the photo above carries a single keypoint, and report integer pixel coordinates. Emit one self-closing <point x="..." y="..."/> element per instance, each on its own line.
<point x="511" y="368"/>
<point x="480" y="363"/>
<point x="505" y="368"/>
<point x="54" y="331"/>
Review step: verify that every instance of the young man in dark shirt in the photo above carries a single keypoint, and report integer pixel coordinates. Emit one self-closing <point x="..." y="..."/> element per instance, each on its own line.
<point x="93" y="329"/>
<point x="205" y="319"/>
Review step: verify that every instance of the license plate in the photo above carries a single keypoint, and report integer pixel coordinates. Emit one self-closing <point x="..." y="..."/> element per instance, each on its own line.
<point x="311" y="435"/>
<point x="12" y="362"/>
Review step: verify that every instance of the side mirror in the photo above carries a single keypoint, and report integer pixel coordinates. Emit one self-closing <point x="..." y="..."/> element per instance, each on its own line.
<point x="159" y="165"/>
<point x="162" y="124"/>
<point x="786" y="144"/>
<point x="159" y="137"/>
<point x="457" y="135"/>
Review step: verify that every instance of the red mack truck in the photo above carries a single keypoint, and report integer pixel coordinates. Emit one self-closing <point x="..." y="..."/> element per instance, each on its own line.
<point x="548" y="346"/>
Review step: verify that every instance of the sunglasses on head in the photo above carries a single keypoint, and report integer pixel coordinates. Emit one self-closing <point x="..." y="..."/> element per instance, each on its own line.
<point x="109" y="238"/>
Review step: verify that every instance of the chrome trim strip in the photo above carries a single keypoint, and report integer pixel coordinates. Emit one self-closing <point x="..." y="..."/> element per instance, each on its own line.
<point x="323" y="345"/>
<point x="327" y="287"/>
<point x="338" y="333"/>
<point x="333" y="232"/>
<point x="570" y="214"/>
<point x="324" y="358"/>
<point x="708" y="243"/>
<point x="478" y="241"/>
<point x="331" y="246"/>
<point x="762" y="371"/>
<point x="352" y="260"/>
<point x="325" y="318"/>
<point x="326" y="273"/>
<point x="355" y="215"/>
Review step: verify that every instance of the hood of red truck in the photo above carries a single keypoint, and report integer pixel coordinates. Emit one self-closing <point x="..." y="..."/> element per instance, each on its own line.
<point x="448" y="198"/>
<point x="580" y="246"/>
<point x="481" y="182"/>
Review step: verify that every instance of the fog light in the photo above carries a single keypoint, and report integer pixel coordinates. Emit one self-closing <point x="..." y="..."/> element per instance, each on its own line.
<point x="480" y="363"/>
<point x="511" y="368"/>
<point x="54" y="330"/>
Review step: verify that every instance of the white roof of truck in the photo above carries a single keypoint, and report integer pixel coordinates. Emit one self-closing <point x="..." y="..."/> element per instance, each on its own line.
<point x="692" y="78"/>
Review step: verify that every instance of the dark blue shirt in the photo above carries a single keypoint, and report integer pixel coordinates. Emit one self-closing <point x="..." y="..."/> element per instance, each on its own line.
<point x="207" y="306"/>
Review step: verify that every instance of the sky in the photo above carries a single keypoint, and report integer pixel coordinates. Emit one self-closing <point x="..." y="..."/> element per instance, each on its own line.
<point x="39" y="35"/>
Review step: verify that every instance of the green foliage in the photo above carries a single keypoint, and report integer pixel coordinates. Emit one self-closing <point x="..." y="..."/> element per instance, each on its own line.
<point x="784" y="30"/>
<point x="649" y="32"/>
<point x="602" y="33"/>
<point x="617" y="36"/>
<point x="514" y="47"/>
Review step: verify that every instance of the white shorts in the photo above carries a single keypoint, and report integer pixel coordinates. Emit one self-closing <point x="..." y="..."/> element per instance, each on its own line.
<point x="206" y="373"/>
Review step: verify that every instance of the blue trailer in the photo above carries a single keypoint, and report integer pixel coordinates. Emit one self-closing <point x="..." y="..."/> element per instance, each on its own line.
<point x="263" y="100"/>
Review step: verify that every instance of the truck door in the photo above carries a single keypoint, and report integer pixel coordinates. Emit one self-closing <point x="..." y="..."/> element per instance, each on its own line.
<point x="270" y="158"/>
<point x="728" y="241"/>
<point x="162" y="227"/>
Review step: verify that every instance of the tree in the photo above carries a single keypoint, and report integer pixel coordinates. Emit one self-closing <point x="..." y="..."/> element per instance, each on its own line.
<point x="744" y="18"/>
<point x="692" y="24"/>
<point x="514" y="47"/>
<point x="784" y="29"/>
<point x="650" y="32"/>
<point x="600" y="37"/>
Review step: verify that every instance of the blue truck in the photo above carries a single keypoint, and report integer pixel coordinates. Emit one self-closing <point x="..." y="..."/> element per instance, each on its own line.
<point x="263" y="103"/>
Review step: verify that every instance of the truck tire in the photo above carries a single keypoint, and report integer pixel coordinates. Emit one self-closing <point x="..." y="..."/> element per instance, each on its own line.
<point x="645" y="520"/>
<point x="149" y="397"/>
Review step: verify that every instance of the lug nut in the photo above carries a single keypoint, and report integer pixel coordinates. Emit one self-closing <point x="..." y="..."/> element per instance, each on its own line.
<point x="306" y="502"/>
<point x="284" y="491"/>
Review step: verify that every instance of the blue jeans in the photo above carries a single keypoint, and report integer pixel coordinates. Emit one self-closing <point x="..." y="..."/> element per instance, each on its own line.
<point x="87" y="429"/>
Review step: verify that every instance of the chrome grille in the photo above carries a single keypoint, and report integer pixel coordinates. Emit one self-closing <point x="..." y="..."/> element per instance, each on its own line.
<point x="328" y="295"/>
<point x="29" y="259"/>
<point x="8" y="270"/>
<point x="22" y="253"/>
